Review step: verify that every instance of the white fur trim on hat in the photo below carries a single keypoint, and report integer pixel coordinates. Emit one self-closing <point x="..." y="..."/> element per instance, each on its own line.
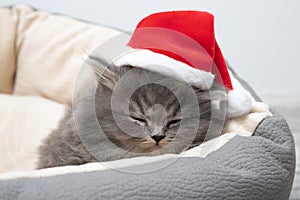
<point x="165" y="65"/>
<point x="239" y="103"/>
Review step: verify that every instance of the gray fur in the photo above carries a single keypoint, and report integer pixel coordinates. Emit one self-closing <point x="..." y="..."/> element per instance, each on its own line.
<point x="154" y="117"/>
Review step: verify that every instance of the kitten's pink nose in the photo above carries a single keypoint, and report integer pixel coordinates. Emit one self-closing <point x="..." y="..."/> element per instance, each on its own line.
<point x="158" y="138"/>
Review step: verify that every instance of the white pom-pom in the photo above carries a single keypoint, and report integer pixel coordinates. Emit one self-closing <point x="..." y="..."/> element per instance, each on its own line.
<point x="239" y="103"/>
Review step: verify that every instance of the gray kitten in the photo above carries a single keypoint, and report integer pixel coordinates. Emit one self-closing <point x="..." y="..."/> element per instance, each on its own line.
<point x="156" y="120"/>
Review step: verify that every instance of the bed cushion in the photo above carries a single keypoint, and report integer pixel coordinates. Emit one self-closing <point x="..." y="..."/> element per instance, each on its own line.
<point x="49" y="70"/>
<point x="24" y="122"/>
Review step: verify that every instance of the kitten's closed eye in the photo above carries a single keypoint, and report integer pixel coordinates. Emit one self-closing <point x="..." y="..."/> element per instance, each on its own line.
<point x="173" y="123"/>
<point x="140" y="120"/>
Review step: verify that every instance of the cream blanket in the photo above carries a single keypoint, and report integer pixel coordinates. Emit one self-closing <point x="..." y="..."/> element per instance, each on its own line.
<point x="40" y="57"/>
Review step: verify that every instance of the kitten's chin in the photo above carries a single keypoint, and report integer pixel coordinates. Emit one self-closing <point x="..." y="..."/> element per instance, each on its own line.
<point x="158" y="146"/>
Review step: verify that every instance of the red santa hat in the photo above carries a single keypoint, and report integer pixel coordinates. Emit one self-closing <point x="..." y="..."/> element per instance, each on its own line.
<point x="182" y="44"/>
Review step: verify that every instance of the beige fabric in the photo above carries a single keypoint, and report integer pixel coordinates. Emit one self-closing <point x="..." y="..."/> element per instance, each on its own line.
<point x="8" y="23"/>
<point x="24" y="122"/>
<point x="51" y="50"/>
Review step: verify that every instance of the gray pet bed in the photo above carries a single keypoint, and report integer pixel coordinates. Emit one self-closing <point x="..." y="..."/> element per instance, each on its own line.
<point x="259" y="167"/>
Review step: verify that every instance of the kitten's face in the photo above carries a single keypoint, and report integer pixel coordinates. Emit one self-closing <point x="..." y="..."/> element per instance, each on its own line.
<point x="156" y="113"/>
<point x="154" y="120"/>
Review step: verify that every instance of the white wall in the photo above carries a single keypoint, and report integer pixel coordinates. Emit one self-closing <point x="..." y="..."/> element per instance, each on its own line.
<point x="259" y="38"/>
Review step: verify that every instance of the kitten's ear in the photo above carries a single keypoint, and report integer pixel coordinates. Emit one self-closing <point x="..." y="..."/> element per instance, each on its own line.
<point x="103" y="71"/>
